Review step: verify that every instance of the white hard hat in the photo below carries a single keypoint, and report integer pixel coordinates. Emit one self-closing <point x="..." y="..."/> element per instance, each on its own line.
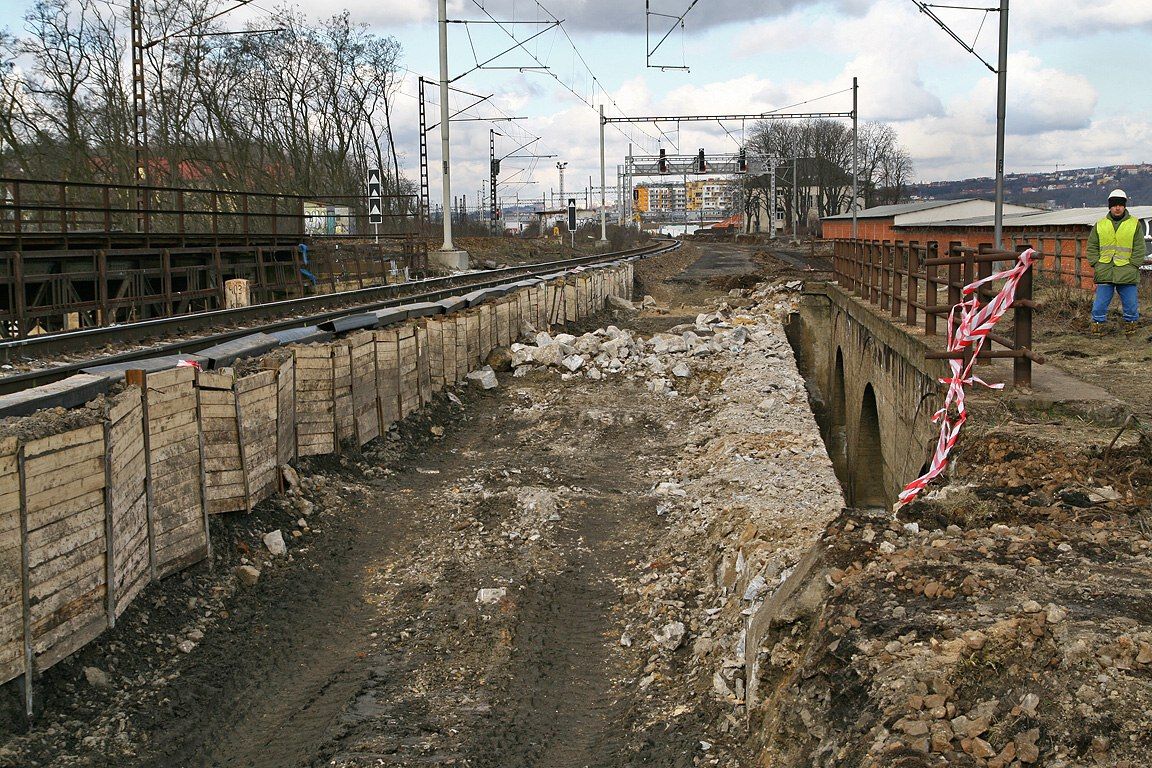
<point x="1118" y="193"/>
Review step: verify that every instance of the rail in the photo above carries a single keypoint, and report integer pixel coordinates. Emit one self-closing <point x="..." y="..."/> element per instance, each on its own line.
<point x="915" y="285"/>
<point x="299" y="312"/>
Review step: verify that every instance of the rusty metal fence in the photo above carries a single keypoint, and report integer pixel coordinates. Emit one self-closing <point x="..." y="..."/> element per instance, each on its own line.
<point x="80" y="255"/>
<point x="66" y="213"/>
<point x="915" y="285"/>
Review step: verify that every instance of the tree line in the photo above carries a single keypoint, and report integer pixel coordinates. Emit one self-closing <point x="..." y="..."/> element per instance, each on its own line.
<point x="814" y="167"/>
<point x="303" y="108"/>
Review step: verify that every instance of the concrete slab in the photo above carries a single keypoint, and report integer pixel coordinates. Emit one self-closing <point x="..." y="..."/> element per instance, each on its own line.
<point x="455" y="260"/>
<point x="115" y="371"/>
<point x="309" y="334"/>
<point x="71" y="392"/>
<point x="225" y="354"/>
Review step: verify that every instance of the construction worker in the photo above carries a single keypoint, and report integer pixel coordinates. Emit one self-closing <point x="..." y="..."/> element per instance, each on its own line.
<point x="1116" y="249"/>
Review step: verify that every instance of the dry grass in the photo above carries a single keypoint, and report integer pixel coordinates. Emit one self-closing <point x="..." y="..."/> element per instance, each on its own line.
<point x="1063" y="302"/>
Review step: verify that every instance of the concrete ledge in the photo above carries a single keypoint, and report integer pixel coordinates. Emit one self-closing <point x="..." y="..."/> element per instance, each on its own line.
<point x="308" y="334"/>
<point x="456" y="260"/>
<point x="115" y="371"/>
<point x="71" y="392"/>
<point x="225" y="354"/>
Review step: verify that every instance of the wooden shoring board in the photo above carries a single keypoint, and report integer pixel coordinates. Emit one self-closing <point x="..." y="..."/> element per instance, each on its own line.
<point x="315" y="406"/>
<point x="11" y="568"/>
<point x="448" y="339"/>
<point x="407" y="365"/>
<point x="178" y="526"/>
<point x="463" y="344"/>
<point x="502" y="316"/>
<point x="342" y="393"/>
<point x="365" y="404"/>
<point x="257" y="414"/>
<point x="435" y="329"/>
<point x="285" y="374"/>
<point x="553" y="304"/>
<point x="127" y="501"/>
<point x="524" y="313"/>
<point x="571" y="300"/>
<point x="66" y="541"/>
<point x="472" y="340"/>
<point x="423" y="362"/>
<point x="387" y="378"/>
<point x="487" y="314"/>
<point x="225" y="488"/>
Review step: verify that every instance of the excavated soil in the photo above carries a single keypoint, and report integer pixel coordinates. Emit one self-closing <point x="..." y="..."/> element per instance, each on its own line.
<point x="499" y="581"/>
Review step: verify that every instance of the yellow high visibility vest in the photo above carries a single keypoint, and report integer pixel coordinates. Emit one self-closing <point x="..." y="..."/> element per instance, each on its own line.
<point x="1116" y="242"/>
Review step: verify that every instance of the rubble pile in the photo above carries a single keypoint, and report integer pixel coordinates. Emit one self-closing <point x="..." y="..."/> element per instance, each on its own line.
<point x="751" y="493"/>
<point x="664" y="361"/>
<point x="1002" y="621"/>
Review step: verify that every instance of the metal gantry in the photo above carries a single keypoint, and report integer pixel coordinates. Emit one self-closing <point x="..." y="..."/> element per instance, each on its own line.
<point x="655" y="119"/>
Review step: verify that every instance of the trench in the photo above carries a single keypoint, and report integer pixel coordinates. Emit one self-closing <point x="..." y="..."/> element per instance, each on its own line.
<point x="859" y="457"/>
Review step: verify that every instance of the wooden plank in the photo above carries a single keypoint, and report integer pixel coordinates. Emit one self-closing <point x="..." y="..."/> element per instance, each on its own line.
<point x="61" y="536"/>
<point x="63" y="498"/>
<point x="55" y="476"/>
<point x="172" y="377"/>
<point x="93" y="434"/>
<point x="223" y="379"/>
<point x="171" y="415"/>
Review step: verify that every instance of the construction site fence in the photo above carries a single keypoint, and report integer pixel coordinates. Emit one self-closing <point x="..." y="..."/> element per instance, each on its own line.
<point x="91" y="515"/>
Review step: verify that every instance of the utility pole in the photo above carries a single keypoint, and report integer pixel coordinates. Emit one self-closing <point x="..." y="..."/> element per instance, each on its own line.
<point x="603" y="213"/>
<point x="856" y="152"/>
<point x="450" y="256"/>
<point x="560" y="167"/>
<point x="1001" y="108"/>
<point x="772" y="197"/>
<point x="139" y="115"/>
<point x="795" y="201"/>
<point x="493" y="169"/>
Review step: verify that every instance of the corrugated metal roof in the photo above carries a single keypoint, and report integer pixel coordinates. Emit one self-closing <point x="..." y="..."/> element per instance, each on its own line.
<point x="1066" y="218"/>
<point x="884" y="211"/>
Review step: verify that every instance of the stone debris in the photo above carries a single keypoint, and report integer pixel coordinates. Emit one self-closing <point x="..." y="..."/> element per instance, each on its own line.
<point x="97" y="678"/>
<point x="247" y="575"/>
<point x="491" y="595"/>
<point x="484" y="378"/>
<point x="274" y="541"/>
<point x="663" y="361"/>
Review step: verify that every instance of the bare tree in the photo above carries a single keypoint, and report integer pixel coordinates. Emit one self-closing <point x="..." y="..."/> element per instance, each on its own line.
<point x="820" y="178"/>
<point x="305" y="109"/>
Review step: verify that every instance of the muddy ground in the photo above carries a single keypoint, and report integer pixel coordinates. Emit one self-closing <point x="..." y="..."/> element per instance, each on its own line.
<point x="1001" y="621"/>
<point x="367" y="645"/>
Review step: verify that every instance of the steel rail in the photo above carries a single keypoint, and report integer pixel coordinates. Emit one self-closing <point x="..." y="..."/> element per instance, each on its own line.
<point x="360" y="300"/>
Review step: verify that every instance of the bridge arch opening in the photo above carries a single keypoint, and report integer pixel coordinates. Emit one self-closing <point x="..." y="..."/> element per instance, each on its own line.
<point x="836" y="429"/>
<point x="866" y="483"/>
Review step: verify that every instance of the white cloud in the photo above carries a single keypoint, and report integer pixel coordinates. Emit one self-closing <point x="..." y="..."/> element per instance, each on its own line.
<point x="1038" y="18"/>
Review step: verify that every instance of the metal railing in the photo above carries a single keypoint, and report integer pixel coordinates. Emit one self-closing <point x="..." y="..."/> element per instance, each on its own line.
<point x="915" y="285"/>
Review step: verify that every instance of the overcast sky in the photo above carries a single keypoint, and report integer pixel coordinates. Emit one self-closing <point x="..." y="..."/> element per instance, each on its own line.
<point x="1076" y="96"/>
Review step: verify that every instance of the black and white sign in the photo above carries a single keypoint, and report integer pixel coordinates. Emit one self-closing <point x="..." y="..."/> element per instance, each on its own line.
<point x="375" y="197"/>
<point x="571" y="214"/>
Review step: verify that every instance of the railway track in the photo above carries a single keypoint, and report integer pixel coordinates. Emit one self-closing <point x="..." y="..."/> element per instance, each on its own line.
<point x="282" y="315"/>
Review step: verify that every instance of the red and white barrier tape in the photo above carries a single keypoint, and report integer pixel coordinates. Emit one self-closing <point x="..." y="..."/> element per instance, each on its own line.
<point x="976" y="322"/>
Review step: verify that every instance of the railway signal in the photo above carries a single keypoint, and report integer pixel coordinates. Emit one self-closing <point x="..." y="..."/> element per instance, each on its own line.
<point x="375" y="201"/>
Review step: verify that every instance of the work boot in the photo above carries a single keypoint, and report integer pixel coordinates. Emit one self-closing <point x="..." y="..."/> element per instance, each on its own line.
<point x="1099" y="329"/>
<point x="1130" y="329"/>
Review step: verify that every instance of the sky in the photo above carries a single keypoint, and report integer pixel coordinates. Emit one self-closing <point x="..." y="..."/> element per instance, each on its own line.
<point x="1075" y="94"/>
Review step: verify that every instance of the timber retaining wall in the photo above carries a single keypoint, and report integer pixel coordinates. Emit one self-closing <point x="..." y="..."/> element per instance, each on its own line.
<point x="90" y="516"/>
